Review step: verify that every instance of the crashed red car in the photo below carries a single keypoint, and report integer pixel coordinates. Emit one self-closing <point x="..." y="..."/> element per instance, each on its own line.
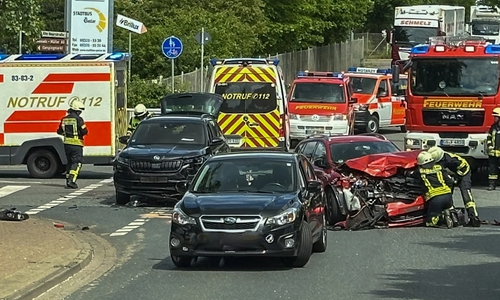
<point x="365" y="182"/>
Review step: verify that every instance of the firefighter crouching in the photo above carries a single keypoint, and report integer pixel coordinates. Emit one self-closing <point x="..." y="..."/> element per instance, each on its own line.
<point x="438" y="191"/>
<point x="140" y="113"/>
<point x="73" y="129"/>
<point x="459" y="166"/>
<point x="493" y="144"/>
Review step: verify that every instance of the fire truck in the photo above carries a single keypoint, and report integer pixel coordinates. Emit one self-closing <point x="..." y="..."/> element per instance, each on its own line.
<point x="35" y="93"/>
<point x="452" y="90"/>
<point x="319" y="103"/>
<point x="414" y="25"/>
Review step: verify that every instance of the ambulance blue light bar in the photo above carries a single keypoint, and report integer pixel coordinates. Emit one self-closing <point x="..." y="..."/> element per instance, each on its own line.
<point x="420" y="49"/>
<point x="319" y="74"/>
<point x="492" y="49"/>
<point x="369" y="70"/>
<point x="40" y="56"/>
<point x="247" y="61"/>
<point x="118" y="56"/>
<point x="3" y="56"/>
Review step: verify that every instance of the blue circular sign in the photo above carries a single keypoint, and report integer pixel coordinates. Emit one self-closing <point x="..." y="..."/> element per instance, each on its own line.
<point x="172" y="47"/>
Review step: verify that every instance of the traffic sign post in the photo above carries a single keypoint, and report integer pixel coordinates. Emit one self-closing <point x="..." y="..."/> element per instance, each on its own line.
<point x="172" y="48"/>
<point x="202" y="38"/>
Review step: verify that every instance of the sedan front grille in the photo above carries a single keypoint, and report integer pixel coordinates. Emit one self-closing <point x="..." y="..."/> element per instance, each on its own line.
<point x="230" y="223"/>
<point x="147" y="166"/>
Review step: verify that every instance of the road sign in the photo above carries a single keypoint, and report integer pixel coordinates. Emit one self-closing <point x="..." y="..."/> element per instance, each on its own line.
<point x="49" y="41"/>
<point x="51" y="48"/>
<point x="54" y="34"/>
<point x="172" y="47"/>
<point x="130" y="24"/>
<point x="203" y="38"/>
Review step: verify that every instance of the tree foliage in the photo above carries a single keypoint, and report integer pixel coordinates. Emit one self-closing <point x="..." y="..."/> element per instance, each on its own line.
<point x="16" y="16"/>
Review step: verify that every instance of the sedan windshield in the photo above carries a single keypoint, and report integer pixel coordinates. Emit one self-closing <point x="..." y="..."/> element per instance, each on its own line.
<point x="233" y="175"/>
<point x="363" y="85"/>
<point x="346" y="151"/>
<point x="317" y="92"/>
<point x="165" y="132"/>
<point x="455" y="77"/>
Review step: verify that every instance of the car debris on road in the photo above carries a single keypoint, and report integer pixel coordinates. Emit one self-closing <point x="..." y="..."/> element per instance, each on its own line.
<point x="13" y="215"/>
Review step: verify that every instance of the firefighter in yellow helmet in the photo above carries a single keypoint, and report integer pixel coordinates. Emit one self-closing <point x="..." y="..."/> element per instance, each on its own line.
<point x="493" y="144"/>
<point x="73" y="129"/>
<point x="140" y="113"/>
<point x="438" y="191"/>
<point x="461" y="168"/>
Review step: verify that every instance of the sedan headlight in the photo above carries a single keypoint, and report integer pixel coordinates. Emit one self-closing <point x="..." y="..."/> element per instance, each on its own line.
<point x="179" y="217"/>
<point x="122" y="160"/>
<point x="413" y="142"/>
<point x="196" y="160"/>
<point x="288" y="216"/>
<point x="339" y="117"/>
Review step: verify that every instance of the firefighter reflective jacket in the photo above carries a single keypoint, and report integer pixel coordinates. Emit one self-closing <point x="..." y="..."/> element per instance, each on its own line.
<point x="73" y="129"/>
<point x="134" y="122"/>
<point x="455" y="163"/>
<point x="436" y="180"/>
<point x="493" y="140"/>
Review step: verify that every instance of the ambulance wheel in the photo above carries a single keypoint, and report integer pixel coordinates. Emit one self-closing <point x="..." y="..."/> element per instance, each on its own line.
<point x="42" y="163"/>
<point x="372" y="126"/>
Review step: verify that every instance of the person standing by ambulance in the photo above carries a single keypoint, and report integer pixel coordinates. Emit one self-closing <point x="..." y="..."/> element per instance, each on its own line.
<point x="140" y="113"/>
<point x="73" y="129"/>
<point x="493" y="144"/>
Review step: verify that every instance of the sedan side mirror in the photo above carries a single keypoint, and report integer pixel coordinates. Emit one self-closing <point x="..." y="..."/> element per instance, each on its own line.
<point x="182" y="187"/>
<point x="217" y="141"/>
<point x="353" y="100"/>
<point x="321" y="163"/>
<point x="314" y="186"/>
<point x="123" y="139"/>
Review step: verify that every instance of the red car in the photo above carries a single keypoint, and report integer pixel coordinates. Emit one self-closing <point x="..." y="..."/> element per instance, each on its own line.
<point x="366" y="171"/>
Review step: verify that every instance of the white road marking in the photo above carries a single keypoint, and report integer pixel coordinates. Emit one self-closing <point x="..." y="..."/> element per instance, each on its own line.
<point x="70" y="196"/>
<point x="129" y="227"/>
<point x="21" y="182"/>
<point x="10" y="189"/>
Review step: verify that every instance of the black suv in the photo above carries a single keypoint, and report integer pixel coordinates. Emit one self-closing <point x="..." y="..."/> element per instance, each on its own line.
<point x="165" y="152"/>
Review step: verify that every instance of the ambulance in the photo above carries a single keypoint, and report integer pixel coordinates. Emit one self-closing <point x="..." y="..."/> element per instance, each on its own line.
<point x="35" y="93"/>
<point x="380" y="103"/>
<point x="319" y="103"/>
<point x="253" y="114"/>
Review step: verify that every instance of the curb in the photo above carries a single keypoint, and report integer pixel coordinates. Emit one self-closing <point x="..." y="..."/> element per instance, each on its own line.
<point x="62" y="273"/>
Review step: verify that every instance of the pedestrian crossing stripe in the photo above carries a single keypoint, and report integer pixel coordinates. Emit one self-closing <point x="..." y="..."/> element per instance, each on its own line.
<point x="11" y="189"/>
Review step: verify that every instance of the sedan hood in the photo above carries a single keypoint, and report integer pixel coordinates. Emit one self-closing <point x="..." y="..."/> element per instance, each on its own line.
<point x="164" y="151"/>
<point x="382" y="165"/>
<point x="266" y="205"/>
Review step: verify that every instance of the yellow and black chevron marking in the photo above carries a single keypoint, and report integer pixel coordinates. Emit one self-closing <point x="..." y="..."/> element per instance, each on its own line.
<point x="245" y="74"/>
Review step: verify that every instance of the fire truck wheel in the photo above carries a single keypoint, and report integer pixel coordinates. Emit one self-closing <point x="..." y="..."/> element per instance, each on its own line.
<point x="372" y="126"/>
<point x="42" y="163"/>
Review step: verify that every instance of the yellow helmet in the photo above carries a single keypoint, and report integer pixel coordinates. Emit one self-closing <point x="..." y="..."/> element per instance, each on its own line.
<point x="424" y="157"/>
<point x="77" y="105"/>
<point x="140" y="110"/>
<point x="436" y="152"/>
<point x="496" y="112"/>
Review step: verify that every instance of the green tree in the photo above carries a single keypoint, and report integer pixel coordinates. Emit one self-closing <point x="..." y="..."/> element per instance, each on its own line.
<point x="52" y="12"/>
<point x="16" y="16"/>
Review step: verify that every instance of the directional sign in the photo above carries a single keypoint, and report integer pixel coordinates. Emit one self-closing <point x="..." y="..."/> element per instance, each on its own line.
<point x="51" y="48"/>
<point x="49" y="41"/>
<point x="203" y="40"/>
<point x="54" y="34"/>
<point x="172" y="47"/>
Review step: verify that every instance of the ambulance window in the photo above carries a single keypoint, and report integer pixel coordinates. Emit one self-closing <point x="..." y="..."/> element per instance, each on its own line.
<point x="247" y="97"/>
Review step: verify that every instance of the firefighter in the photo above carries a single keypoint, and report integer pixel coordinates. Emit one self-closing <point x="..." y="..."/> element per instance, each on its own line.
<point x="73" y="129"/>
<point x="459" y="166"/>
<point x="140" y="113"/>
<point x="438" y="192"/>
<point x="493" y="144"/>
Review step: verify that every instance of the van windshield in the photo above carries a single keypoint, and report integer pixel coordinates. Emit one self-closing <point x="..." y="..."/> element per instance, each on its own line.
<point x="317" y="92"/>
<point x="247" y="97"/>
<point x="363" y="85"/>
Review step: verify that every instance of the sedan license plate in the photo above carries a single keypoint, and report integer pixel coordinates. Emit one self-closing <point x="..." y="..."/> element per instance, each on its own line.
<point x="153" y="179"/>
<point x="233" y="141"/>
<point x="452" y="142"/>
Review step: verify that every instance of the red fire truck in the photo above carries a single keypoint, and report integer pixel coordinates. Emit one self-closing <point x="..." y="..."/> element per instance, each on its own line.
<point x="452" y="90"/>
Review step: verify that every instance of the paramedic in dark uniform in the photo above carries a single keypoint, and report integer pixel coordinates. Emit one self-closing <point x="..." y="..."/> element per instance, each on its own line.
<point x="438" y="191"/>
<point x="461" y="168"/>
<point x="73" y="129"/>
<point x="493" y="144"/>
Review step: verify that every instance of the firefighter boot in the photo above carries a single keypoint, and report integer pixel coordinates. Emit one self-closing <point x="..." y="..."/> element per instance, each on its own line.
<point x="447" y="219"/>
<point x="492" y="185"/>
<point x="70" y="183"/>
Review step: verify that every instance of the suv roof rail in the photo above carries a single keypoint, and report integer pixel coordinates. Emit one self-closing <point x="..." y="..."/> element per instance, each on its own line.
<point x="324" y="135"/>
<point x="377" y="135"/>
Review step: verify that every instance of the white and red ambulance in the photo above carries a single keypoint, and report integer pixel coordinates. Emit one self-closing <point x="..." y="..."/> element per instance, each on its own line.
<point x="35" y="93"/>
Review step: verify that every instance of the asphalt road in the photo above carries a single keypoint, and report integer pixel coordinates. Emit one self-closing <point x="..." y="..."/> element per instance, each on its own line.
<point x="411" y="263"/>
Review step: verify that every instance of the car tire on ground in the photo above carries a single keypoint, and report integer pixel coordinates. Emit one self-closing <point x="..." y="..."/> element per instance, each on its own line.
<point x="305" y="249"/>
<point x="322" y="243"/>
<point x="333" y="212"/>
<point x="372" y="125"/>
<point x="42" y="163"/>
<point x="122" y="198"/>
<point x="182" y="261"/>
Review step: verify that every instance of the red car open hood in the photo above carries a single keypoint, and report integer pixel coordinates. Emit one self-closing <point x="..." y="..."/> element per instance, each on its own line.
<point x="384" y="164"/>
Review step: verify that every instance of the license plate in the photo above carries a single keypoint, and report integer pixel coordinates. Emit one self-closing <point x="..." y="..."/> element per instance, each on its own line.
<point x="153" y="179"/>
<point x="155" y="166"/>
<point x="233" y="141"/>
<point x="452" y="142"/>
<point x="315" y="131"/>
